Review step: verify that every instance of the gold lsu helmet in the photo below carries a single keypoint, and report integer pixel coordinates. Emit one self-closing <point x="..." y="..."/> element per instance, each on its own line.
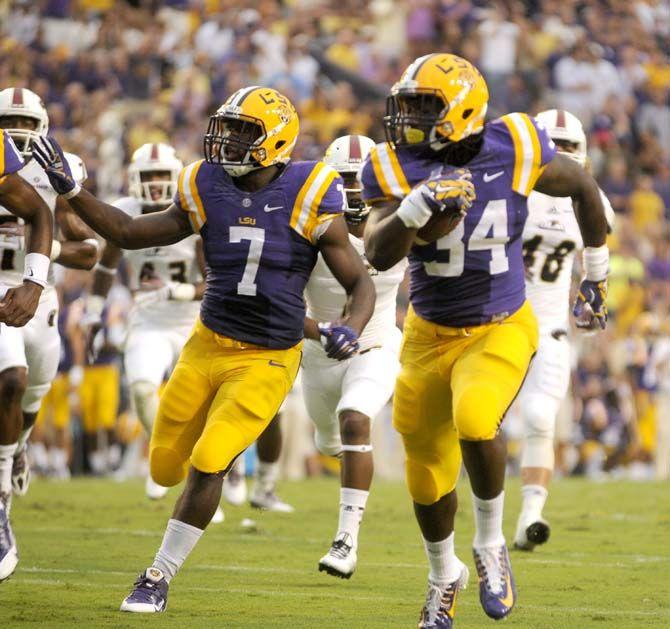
<point x="255" y="128"/>
<point x="440" y="99"/>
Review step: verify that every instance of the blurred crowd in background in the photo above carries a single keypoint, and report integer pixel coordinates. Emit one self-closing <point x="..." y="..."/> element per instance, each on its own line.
<point x="115" y="75"/>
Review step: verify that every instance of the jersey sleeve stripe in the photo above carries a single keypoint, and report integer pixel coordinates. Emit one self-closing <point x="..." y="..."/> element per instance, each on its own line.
<point x="304" y="202"/>
<point x="298" y="206"/>
<point x="188" y="195"/>
<point x="314" y="218"/>
<point x="2" y="152"/>
<point x="536" y="167"/>
<point x="379" y="173"/>
<point x="196" y="194"/>
<point x="524" y="151"/>
<point x="393" y="174"/>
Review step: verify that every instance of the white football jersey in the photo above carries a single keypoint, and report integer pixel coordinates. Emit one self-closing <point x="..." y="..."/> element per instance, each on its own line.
<point x="551" y="239"/>
<point x="326" y="298"/>
<point x="173" y="263"/>
<point x="12" y="243"/>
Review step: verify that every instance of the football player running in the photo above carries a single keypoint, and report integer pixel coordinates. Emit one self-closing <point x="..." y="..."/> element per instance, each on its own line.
<point x="263" y="220"/>
<point x="29" y="355"/>
<point x="343" y="397"/>
<point x="167" y="295"/>
<point x="551" y="240"/>
<point x="450" y="190"/>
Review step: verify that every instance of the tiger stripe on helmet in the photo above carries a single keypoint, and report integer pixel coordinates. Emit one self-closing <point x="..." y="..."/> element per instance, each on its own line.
<point x="527" y="150"/>
<point x="305" y="217"/>
<point x="189" y="197"/>
<point x="238" y="98"/>
<point x="388" y="171"/>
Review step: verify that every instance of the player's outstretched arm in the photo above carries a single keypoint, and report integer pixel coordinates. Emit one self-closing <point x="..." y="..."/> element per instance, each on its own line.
<point x="349" y="270"/>
<point x="149" y="230"/>
<point x="79" y="247"/>
<point x="563" y="177"/>
<point x="19" y="304"/>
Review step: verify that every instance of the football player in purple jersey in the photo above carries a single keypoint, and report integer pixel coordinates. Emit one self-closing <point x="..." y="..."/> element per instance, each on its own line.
<point x="263" y="220"/>
<point x="450" y="191"/>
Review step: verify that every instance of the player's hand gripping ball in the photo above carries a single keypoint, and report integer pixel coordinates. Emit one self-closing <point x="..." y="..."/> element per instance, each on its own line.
<point x="449" y="194"/>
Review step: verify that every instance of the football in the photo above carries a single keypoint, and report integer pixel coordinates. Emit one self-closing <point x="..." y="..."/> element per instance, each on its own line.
<point x="439" y="225"/>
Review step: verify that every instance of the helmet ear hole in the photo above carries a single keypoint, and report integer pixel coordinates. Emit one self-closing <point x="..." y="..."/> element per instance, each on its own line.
<point x="467" y="113"/>
<point x="279" y="144"/>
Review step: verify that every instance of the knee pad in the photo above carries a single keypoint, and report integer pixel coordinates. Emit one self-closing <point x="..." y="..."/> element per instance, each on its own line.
<point x="539" y="414"/>
<point x="330" y="445"/>
<point x="32" y="398"/>
<point x="428" y="481"/>
<point x="167" y="467"/>
<point x="145" y="396"/>
<point x="477" y="413"/>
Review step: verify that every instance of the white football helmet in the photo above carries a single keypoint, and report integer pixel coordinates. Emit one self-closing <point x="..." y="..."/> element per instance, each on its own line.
<point x="562" y="126"/>
<point x="154" y="158"/>
<point x="346" y="155"/>
<point x="19" y="101"/>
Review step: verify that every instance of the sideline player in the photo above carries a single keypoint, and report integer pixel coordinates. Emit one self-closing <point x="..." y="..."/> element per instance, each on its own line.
<point x="263" y="220"/>
<point x="343" y="397"/>
<point x="29" y="356"/>
<point x="166" y="284"/>
<point x="470" y="333"/>
<point x="551" y="239"/>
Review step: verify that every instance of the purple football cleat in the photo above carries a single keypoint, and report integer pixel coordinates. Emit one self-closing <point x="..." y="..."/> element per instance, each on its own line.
<point x="440" y="606"/>
<point x="149" y="595"/>
<point x="497" y="591"/>
<point x="9" y="555"/>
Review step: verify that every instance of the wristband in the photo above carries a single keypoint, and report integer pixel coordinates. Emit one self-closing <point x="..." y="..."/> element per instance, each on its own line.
<point x="55" y="250"/>
<point x="95" y="304"/>
<point x="36" y="269"/>
<point x="596" y="262"/>
<point x="104" y="269"/>
<point x="413" y="215"/>
<point x="73" y="193"/>
<point x="93" y="242"/>
<point x="182" y="291"/>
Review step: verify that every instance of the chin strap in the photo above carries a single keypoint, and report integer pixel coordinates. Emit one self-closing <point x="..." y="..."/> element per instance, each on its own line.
<point x="361" y="448"/>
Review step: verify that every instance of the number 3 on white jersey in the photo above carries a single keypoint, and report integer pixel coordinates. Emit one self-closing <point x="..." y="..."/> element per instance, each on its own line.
<point x="490" y="233"/>
<point x="256" y="237"/>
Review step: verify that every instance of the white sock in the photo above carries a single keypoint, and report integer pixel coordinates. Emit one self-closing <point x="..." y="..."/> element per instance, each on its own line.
<point x="24" y="436"/>
<point x="534" y="497"/>
<point x="178" y="542"/>
<point x="444" y="565"/>
<point x="352" y="507"/>
<point x="6" y="463"/>
<point x="266" y="476"/>
<point x="488" y="521"/>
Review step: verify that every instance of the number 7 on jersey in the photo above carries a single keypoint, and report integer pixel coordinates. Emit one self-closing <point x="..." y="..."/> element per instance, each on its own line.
<point x="256" y="237"/>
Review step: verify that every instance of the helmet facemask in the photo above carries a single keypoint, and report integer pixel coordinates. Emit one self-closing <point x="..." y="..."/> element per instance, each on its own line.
<point x="24" y="130"/>
<point x="356" y="211"/>
<point x="570" y="149"/>
<point x="233" y="141"/>
<point x="413" y="117"/>
<point x="155" y="189"/>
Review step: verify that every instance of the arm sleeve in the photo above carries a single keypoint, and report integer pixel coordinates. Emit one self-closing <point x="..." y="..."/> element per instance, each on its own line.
<point x="320" y="199"/>
<point x="533" y="150"/>
<point x="187" y="197"/>
<point x="10" y="158"/>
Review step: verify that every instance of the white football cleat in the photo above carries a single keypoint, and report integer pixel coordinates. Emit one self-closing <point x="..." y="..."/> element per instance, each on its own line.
<point x="218" y="517"/>
<point x="21" y="471"/>
<point x="269" y="501"/>
<point x="235" y="487"/>
<point x="340" y="560"/>
<point x="9" y="554"/>
<point x="531" y="532"/>
<point x="153" y="490"/>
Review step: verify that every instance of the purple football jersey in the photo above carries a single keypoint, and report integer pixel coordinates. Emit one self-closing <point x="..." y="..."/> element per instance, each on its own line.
<point x="260" y="247"/>
<point x="475" y="274"/>
<point x="10" y="158"/>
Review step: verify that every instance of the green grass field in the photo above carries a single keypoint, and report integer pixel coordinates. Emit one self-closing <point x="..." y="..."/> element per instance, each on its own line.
<point x="82" y="544"/>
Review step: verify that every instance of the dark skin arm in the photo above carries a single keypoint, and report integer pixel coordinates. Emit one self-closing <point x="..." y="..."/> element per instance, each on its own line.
<point x="346" y="265"/>
<point x="74" y="253"/>
<point x="148" y="230"/>
<point x="387" y="239"/>
<point x="20" y="198"/>
<point x="563" y="177"/>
